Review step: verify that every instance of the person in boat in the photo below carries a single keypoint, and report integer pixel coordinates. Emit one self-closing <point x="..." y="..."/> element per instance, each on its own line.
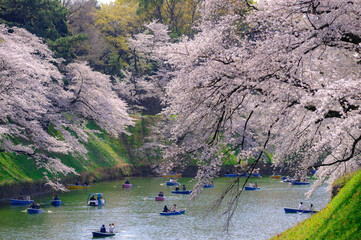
<point x="184" y="187"/>
<point x="77" y="183"/>
<point x="92" y="197"/>
<point x="21" y="197"/>
<point x="177" y="188"/>
<point x="255" y="185"/>
<point x="165" y="209"/>
<point x="56" y="197"/>
<point x="174" y="208"/>
<point x="311" y="207"/>
<point x="35" y="206"/>
<point x="300" y="207"/>
<point x="103" y="229"/>
<point x="28" y="198"/>
<point x="160" y="194"/>
<point x="126" y="182"/>
<point x="172" y="180"/>
<point x="251" y="184"/>
<point x="85" y="184"/>
<point x="111" y="227"/>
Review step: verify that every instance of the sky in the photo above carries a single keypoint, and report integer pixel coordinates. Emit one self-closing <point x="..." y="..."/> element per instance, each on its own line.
<point x="105" y="1"/>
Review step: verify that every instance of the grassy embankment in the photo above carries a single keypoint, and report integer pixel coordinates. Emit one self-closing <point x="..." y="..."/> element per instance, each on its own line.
<point x="106" y="157"/>
<point x="341" y="219"/>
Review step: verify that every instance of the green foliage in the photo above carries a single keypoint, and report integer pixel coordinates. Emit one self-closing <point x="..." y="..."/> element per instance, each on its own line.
<point x="65" y="47"/>
<point x="339" y="220"/>
<point x="44" y="18"/>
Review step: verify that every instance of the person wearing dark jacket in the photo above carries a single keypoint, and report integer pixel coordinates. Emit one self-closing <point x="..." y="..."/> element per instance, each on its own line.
<point x="165" y="209"/>
<point x="103" y="229"/>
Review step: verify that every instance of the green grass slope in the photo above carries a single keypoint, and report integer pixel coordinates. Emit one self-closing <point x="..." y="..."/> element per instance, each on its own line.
<point x="341" y="219"/>
<point x="104" y="153"/>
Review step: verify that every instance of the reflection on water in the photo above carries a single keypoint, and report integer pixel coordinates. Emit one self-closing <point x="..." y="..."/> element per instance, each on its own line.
<point x="136" y="215"/>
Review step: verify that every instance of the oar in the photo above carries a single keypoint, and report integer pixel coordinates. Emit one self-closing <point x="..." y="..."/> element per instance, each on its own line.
<point x="46" y="203"/>
<point x="149" y="198"/>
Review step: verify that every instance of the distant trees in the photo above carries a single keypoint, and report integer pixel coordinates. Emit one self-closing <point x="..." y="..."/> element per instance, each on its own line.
<point x="43" y="18"/>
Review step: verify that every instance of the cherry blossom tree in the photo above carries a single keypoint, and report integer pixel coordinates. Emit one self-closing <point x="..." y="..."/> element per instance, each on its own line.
<point x="37" y="93"/>
<point x="277" y="76"/>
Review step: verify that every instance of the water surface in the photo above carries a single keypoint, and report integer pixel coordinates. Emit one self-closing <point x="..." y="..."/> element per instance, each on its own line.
<point x="259" y="215"/>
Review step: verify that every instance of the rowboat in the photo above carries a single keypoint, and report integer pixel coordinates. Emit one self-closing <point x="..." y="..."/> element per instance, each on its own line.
<point x="35" y="210"/>
<point x="182" y="192"/>
<point x="73" y="186"/>
<point x="231" y="175"/>
<point x="20" y="202"/>
<point x="158" y="198"/>
<point x="292" y="210"/>
<point x="209" y="186"/>
<point x="102" y="234"/>
<point x="92" y="201"/>
<point x="300" y="183"/>
<point x="251" y="188"/>
<point x="182" y="211"/>
<point x="125" y="185"/>
<point x="55" y="203"/>
<point x="256" y="175"/>
<point x="172" y="175"/>
<point x="276" y="176"/>
<point x="172" y="183"/>
<point x="289" y="180"/>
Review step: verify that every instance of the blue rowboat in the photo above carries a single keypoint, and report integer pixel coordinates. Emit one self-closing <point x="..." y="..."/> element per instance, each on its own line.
<point x="55" y="203"/>
<point x="102" y="234"/>
<point x="172" y="183"/>
<point x="182" y="211"/>
<point x="35" y="210"/>
<point x="300" y="183"/>
<point x="20" y="202"/>
<point x="231" y="175"/>
<point x="292" y="210"/>
<point x="256" y="175"/>
<point x="182" y="192"/>
<point x="209" y="186"/>
<point x="251" y="188"/>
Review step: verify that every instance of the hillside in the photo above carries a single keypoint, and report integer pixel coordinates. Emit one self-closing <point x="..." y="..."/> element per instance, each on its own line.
<point x="339" y="220"/>
<point x="106" y="157"/>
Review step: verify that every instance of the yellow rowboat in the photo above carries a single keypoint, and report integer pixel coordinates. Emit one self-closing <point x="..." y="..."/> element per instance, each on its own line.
<point x="173" y="175"/>
<point x="276" y="176"/>
<point x="73" y="186"/>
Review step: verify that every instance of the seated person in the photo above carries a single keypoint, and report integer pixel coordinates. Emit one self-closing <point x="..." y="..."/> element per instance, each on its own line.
<point x="251" y="184"/>
<point x="85" y="184"/>
<point x="311" y="207"/>
<point x="177" y="188"/>
<point x="55" y="197"/>
<point x="111" y="228"/>
<point x="126" y="182"/>
<point x="300" y="207"/>
<point x="160" y="194"/>
<point x="77" y="183"/>
<point x="184" y="187"/>
<point x="103" y="229"/>
<point x="92" y="197"/>
<point x="35" y="206"/>
<point x="165" y="209"/>
<point x="174" y="208"/>
<point x="28" y="197"/>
